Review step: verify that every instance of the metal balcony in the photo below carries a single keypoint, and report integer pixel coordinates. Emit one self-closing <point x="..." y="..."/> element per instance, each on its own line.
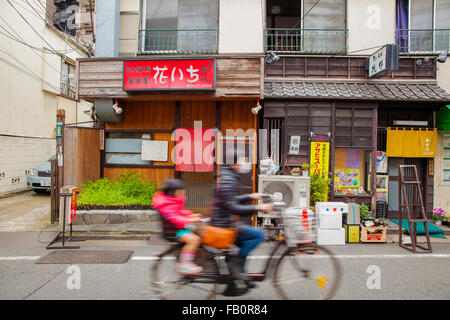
<point x="306" y="41"/>
<point x="178" y="41"/>
<point x="423" y="41"/>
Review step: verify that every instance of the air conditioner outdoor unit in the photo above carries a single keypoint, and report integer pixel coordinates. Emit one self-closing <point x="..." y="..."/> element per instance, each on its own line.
<point x="293" y="190"/>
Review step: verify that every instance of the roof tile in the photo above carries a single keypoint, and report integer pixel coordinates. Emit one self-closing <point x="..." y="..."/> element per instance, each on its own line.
<point x="390" y="91"/>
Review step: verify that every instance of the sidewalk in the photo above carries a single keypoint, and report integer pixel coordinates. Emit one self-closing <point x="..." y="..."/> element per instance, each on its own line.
<point x="393" y="228"/>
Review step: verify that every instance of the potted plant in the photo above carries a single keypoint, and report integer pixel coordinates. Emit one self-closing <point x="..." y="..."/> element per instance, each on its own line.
<point x="296" y="171"/>
<point x="365" y="215"/>
<point x="318" y="188"/>
<point x="305" y="168"/>
<point x="439" y="215"/>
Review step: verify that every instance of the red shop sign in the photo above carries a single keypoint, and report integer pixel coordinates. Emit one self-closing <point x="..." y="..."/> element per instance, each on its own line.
<point x="193" y="74"/>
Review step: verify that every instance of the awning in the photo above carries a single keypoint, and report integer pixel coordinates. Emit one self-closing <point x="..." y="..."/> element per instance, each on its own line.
<point x="356" y="90"/>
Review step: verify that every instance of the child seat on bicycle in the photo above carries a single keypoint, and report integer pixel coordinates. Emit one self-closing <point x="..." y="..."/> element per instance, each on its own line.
<point x="177" y="223"/>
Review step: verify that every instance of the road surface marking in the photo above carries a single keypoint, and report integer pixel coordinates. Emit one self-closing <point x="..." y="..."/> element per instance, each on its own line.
<point x="19" y="258"/>
<point x="318" y="256"/>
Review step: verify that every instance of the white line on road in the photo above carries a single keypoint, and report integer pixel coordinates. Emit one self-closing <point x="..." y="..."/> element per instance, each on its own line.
<point x="316" y="256"/>
<point x="19" y="258"/>
<point x="348" y="256"/>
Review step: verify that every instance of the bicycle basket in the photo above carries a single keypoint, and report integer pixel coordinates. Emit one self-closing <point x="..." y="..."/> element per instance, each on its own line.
<point x="299" y="229"/>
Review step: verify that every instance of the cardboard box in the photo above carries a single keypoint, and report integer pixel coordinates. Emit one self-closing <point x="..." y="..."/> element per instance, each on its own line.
<point x="373" y="234"/>
<point x="352" y="217"/>
<point x="330" y="237"/>
<point x="351" y="233"/>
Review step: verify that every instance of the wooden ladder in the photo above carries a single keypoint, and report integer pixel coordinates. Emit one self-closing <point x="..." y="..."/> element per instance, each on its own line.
<point x="419" y="208"/>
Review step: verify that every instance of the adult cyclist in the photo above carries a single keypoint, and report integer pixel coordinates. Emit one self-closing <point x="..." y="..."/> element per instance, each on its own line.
<point x="227" y="204"/>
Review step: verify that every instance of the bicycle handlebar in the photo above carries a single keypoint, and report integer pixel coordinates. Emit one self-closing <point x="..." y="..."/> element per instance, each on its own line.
<point x="276" y="204"/>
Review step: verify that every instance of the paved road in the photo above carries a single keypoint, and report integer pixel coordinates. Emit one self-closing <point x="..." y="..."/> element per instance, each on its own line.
<point x="403" y="275"/>
<point x="27" y="211"/>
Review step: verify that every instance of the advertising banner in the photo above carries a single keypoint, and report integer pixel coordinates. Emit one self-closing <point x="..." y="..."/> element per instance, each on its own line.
<point x="319" y="159"/>
<point x="195" y="74"/>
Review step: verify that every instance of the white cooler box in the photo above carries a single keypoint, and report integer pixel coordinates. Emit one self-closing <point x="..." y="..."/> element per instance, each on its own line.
<point x="330" y="220"/>
<point x="331" y="237"/>
<point x="331" y="207"/>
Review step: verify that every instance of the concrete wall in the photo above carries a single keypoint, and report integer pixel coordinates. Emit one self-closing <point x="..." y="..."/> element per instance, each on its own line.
<point x="441" y="189"/>
<point x="17" y="156"/>
<point x="241" y="26"/>
<point x="129" y="27"/>
<point x="371" y="23"/>
<point x="29" y="87"/>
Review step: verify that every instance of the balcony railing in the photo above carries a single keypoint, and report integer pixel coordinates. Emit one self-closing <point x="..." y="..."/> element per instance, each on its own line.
<point x="179" y="41"/>
<point x="423" y="41"/>
<point x="306" y="41"/>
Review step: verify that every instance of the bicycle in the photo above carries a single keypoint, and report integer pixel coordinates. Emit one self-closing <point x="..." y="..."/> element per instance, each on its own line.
<point x="319" y="271"/>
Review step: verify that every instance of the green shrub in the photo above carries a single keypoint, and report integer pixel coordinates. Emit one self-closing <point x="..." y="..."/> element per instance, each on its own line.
<point x="364" y="211"/>
<point x="130" y="189"/>
<point x="319" y="187"/>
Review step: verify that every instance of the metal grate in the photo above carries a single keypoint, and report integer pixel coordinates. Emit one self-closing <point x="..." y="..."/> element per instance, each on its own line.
<point x="199" y="189"/>
<point x="314" y="41"/>
<point x="44" y="174"/>
<point x="275" y="139"/>
<point x="423" y="41"/>
<point x="86" y="257"/>
<point x="178" y="41"/>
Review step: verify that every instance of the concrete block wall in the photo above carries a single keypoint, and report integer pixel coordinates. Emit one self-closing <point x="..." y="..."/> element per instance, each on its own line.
<point x="18" y="155"/>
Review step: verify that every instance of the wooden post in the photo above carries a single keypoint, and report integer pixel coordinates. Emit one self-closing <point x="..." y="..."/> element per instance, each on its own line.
<point x="373" y="169"/>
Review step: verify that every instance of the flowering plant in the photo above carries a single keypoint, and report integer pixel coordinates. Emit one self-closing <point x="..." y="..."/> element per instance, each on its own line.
<point x="439" y="214"/>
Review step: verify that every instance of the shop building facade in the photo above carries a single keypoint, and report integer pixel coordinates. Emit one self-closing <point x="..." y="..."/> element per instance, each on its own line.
<point x="319" y="86"/>
<point x="353" y="114"/>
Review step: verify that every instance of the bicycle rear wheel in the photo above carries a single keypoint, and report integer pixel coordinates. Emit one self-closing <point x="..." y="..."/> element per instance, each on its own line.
<point x="308" y="272"/>
<point x="168" y="285"/>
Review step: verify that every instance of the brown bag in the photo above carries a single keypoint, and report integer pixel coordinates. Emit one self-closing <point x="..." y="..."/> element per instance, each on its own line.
<point x="216" y="237"/>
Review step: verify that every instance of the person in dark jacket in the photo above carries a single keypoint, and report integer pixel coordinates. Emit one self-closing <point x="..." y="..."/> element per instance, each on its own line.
<point x="228" y="203"/>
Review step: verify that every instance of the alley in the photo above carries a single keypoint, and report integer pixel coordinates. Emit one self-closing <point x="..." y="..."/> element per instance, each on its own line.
<point x="28" y="211"/>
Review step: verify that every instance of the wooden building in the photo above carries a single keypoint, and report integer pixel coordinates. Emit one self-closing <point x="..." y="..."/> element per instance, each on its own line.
<point x="155" y="114"/>
<point x="333" y="97"/>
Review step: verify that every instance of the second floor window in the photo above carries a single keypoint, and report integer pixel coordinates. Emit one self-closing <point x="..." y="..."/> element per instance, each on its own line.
<point x="423" y="26"/>
<point x="179" y="26"/>
<point x="67" y="79"/>
<point x="306" y="26"/>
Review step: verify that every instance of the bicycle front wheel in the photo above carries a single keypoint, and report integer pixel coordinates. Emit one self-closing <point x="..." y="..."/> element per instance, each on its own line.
<point x="168" y="285"/>
<point x="308" y="272"/>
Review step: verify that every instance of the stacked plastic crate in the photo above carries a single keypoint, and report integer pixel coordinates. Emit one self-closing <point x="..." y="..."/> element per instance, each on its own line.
<point x="330" y="231"/>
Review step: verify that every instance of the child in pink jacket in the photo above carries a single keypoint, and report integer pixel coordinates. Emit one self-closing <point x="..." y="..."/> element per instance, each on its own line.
<point x="170" y="203"/>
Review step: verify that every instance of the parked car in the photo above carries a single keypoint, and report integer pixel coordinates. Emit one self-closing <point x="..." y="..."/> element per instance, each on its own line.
<point x="39" y="178"/>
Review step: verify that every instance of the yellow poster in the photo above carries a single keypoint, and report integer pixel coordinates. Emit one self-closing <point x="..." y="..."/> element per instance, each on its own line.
<point x="348" y="178"/>
<point x="319" y="159"/>
<point x="411" y="143"/>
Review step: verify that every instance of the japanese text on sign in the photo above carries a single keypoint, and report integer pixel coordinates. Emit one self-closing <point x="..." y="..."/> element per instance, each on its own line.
<point x="169" y="75"/>
<point x="320" y="152"/>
